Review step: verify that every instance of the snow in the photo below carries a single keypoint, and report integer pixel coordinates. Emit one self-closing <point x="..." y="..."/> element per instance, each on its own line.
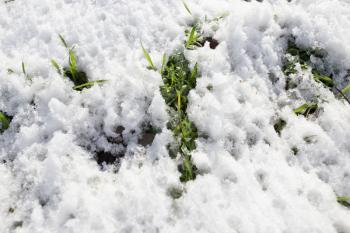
<point x="249" y="182"/>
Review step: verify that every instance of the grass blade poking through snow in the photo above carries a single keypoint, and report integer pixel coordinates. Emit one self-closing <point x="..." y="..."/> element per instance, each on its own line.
<point x="77" y="76"/>
<point x="346" y="88"/>
<point x="63" y="41"/>
<point x="164" y="60"/>
<point x="187" y="8"/>
<point x="192" y="38"/>
<point x="28" y="77"/>
<point x="306" y="109"/>
<point x="57" y="67"/>
<point x="148" y="58"/>
<point x="88" y="84"/>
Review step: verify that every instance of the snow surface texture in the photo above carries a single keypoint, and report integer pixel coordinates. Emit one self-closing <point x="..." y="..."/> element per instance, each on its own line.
<point x="251" y="181"/>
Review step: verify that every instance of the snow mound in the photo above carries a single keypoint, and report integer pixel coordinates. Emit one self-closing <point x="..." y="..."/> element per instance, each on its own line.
<point x="251" y="179"/>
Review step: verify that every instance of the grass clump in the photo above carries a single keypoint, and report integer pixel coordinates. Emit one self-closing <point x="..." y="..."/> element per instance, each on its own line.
<point x="195" y="34"/>
<point x="178" y="80"/>
<point x="302" y="56"/>
<point x="77" y="76"/>
<point x="5" y="121"/>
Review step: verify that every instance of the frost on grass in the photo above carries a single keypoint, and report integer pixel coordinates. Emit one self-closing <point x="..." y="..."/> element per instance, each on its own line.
<point x="261" y="167"/>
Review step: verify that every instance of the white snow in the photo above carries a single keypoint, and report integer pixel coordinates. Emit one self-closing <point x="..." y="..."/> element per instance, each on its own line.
<point x="249" y="182"/>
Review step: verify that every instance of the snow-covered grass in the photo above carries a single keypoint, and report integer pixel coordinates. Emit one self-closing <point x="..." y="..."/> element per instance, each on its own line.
<point x="97" y="160"/>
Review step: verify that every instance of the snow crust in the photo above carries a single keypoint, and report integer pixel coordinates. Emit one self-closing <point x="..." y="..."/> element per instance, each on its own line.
<point x="250" y="180"/>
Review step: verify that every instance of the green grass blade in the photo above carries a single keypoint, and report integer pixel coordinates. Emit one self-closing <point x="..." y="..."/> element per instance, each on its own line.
<point x="187" y="8"/>
<point x="300" y="108"/>
<point x="28" y="77"/>
<point x="343" y="198"/>
<point x="72" y="64"/>
<point x="191" y="38"/>
<point x="23" y="68"/>
<point x="326" y="80"/>
<point x="63" y="41"/>
<point x="164" y="60"/>
<point x="56" y="66"/>
<point x="187" y="168"/>
<point x="346" y="88"/>
<point x="10" y="71"/>
<point x="178" y="94"/>
<point x="72" y="60"/>
<point x="89" y="84"/>
<point x="194" y="72"/>
<point x="148" y="58"/>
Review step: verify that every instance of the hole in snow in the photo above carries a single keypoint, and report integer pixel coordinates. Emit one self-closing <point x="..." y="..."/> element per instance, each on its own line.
<point x="260" y="176"/>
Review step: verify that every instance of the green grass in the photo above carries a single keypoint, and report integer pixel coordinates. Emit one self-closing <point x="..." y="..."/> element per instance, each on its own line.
<point x="28" y="77"/>
<point x="5" y="121"/>
<point x="150" y="66"/>
<point x="302" y="56"/>
<point x="192" y="38"/>
<point x="187" y="8"/>
<point x="88" y="84"/>
<point x="178" y="80"/>
<point x="323" y="78"/>
<point x="71" y="71"/>
<point x="344" y="200"/>
<point x="306" y="109"/>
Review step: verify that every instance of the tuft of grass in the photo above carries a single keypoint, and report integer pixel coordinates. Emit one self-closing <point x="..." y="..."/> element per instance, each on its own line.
<point x="178" y="80"/>
<point x="5" y="121"/>
<point x="151" y="66"/>
<point x="302" y="56"/>
<point x="289" y="68"/>
<point x="77" y="76"/>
